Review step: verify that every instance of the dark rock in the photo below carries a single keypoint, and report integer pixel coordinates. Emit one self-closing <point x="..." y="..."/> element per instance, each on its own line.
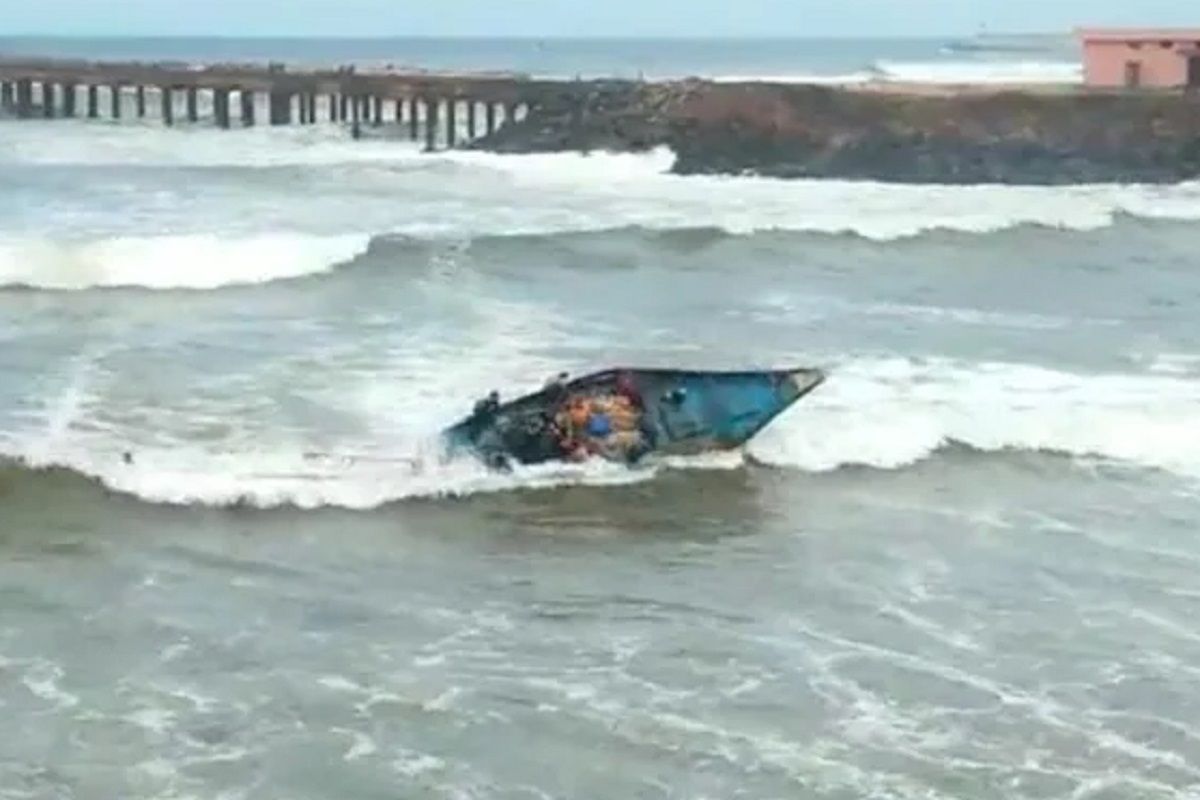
<point x="793" y="131"/>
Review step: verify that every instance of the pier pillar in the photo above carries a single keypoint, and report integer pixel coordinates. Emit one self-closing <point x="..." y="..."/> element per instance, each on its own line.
<point x="47" y="100"/>
<point x="114" y="97"/>
<point x="312" y="108"/>
<point x="489" y="112"/>
<point x="7" y="96"/>
<point x="24" y="98"/>
<point x="280" y="105"/>
<point x="247" y="99"/>
<point x="578" y="112"/>
<point x="414" y="120"/>
<point x="378" y="118"/>
<point x="93" y="92"/>
<point x="399" y="111"/>
<point x="451" y="122"/>
<point x="69" y="90"/>
<point x="140" y="94"/>
<point x="168" y="105"/>
<point x="510" y="113"/>
<point x="343" y="107"/>
<point x="193" y="112"/>
<point x="431" y="123"/>
<point x="334" y="107"/>
<point x="471" y="119"/>
<point x="221" y="107"/>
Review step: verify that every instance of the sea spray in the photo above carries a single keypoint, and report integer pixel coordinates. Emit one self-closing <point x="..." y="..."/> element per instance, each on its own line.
<point x="885" y="413"/>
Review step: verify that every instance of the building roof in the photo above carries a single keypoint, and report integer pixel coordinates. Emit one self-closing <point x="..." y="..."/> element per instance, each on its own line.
<point x="1138" y="34"/>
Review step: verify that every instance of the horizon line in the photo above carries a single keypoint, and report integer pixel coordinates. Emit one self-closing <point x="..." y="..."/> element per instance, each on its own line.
<point x="536" y="37"/>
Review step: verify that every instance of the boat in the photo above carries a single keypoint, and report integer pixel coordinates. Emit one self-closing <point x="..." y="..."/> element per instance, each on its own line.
<point x="985" y="42"/>
<point x="666" y="412"/>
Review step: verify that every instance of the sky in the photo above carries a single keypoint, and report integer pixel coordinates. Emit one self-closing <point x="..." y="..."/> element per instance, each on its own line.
<point x="553" y="18"/>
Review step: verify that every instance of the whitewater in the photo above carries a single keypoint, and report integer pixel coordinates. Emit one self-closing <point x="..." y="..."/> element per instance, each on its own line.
<point x="237" y="562"/>
<point x="885" y="411"/>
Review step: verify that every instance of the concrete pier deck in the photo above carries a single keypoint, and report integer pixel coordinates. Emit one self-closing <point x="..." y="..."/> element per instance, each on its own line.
<point x="429" y="103"/>
<point x="1030" y="135"/>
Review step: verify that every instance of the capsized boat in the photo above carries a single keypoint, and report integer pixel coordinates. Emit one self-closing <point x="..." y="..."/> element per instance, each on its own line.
<point x="626" y="414"/>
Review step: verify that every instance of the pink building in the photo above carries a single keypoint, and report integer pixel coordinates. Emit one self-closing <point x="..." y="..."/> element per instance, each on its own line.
<point x="1133" y="57"/>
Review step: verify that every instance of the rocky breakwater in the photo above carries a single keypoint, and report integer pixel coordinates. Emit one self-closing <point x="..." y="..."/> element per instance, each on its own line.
<point x="901" y="134"/>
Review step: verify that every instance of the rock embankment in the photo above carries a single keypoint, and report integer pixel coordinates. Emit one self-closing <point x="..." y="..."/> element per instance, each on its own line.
<point x="796" y="131"/>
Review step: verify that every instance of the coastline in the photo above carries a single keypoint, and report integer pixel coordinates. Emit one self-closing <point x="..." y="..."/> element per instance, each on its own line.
<point x="1030" y="133"/>
<point x="1041" y="132"/>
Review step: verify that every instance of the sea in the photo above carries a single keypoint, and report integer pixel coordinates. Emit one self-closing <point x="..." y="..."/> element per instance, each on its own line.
<point x="234" y="564"/>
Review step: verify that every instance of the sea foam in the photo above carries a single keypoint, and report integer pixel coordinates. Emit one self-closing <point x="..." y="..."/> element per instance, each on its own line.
<point x="302" y="201"/>
<point x="881" y="413"/>
<point x="189" y="261"/>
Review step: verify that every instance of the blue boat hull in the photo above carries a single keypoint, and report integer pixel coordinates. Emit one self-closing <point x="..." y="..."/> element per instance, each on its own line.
<point x="682" y="412"/>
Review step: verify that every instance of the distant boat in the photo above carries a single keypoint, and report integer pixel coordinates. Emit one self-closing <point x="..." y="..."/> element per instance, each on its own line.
<point x="980" y="47"/>
<point x="1003" y="43"/>
<point x="624" y="415"/>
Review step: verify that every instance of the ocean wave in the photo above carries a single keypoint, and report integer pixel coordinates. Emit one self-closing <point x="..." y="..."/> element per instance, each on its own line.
<point x="197" y="261"/>
<point x="980" y="72"/>
<point x="148" y="143"/>
<point x="207" y="261"/>
<point x="563" y="192"/>
<point x="890" y="413"/>
<point x="881" y="413"/>
<point x="306" y="479"/>
<point x="811" y="78"/>
<point x="393" y="188"/>
<point x="203" y="261"/>
<point x="946" y="72"/>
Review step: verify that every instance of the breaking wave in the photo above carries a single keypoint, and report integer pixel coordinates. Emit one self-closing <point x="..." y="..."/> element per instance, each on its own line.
<point x="947" y="72"/>
<point x="981" y="72"/>
<point x="147" y="143"/>
<point x="247" y="206"/>
<point x="885" y="414"/>
<point x="196" y="261"/>
<point x="202" y="261"/>
<point x="893" y="412"/>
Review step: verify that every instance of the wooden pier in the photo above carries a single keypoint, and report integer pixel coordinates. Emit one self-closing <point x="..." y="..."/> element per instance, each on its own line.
<point x="445" y="109"/>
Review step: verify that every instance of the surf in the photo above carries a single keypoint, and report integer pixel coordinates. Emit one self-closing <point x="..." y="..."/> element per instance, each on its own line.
<point x="182" y="261"/>
<point x="885" y="414"/>
<point x="297" y="184"/>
